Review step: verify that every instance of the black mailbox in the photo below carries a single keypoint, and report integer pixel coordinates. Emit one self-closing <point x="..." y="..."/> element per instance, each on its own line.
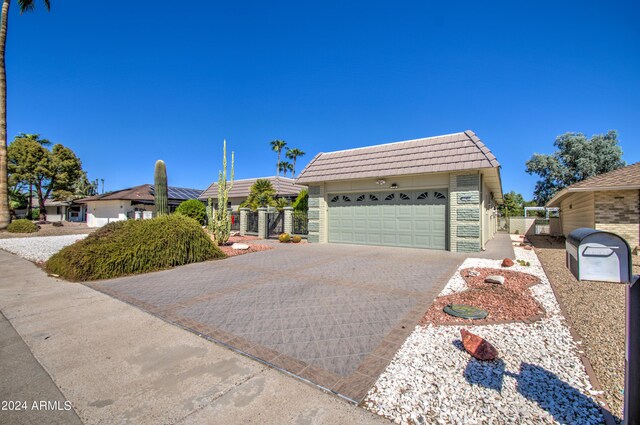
<point x="596" y="255"/>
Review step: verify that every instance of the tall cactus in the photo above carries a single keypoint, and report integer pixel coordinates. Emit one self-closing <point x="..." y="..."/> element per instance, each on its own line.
<point x="219" y="219"/>
<point x="161" y="192"/>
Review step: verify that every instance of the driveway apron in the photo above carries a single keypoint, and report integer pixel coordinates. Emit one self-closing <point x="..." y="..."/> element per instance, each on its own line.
<point x="330" y="314"/>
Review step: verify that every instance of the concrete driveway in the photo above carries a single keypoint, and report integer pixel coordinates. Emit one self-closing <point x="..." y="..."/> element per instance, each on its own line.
<point x="331" y="314"/>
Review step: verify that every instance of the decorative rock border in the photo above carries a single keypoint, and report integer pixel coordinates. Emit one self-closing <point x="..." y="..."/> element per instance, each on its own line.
<point x="538" y="377"/>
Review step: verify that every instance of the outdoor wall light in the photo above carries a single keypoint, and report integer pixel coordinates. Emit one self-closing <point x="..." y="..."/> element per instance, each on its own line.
<point x="394" y="185"/>
<point x="381" y="182"/>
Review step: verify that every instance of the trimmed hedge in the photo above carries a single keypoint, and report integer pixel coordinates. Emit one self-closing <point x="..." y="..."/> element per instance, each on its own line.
<point x="134" y="246"/>
<point x="22" y="226"/>
<point x="194" y="209"/>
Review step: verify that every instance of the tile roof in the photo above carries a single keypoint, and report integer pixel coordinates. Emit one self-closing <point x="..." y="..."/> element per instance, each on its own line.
<point x="625" y="178"/>
<point x="284" y="187"/>
<point x="144" y="192"/>
<point x="452" y="152"/>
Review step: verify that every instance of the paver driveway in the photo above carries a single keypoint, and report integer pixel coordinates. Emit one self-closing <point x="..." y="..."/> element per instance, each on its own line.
<point x="332" y="314"/>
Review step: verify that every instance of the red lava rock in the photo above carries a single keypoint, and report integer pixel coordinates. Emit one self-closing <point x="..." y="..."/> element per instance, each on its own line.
<point x="477" y="346"/>
<point x="507" y="262"/>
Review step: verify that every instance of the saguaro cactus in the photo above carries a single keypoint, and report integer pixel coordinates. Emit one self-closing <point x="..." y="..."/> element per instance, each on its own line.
<point x="219" y="219"/>
<point x="161" y="192"/>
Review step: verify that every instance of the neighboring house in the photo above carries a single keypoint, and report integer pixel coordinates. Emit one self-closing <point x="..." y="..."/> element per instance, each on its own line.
<point x="607" y="202"/>
<point x="134" y="202"/>
<point x="284" y="187"/>
<point x="439" y="192"/>
<point x="57" y="210"/>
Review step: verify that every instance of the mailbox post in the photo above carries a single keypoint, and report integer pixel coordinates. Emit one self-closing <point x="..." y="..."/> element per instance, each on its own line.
<point x="604" y="256"/>
<point x="632" y="355"/>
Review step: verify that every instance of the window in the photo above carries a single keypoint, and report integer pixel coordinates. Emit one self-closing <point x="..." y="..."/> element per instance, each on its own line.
<point x="346" y="199"/>
<point x="335" y="199"/>
<point x="373" y="198"/>
<point x="439" y="195"/>
<point x="423" y="195"/>
<point x="360" y="198"/>
<point x="404" y="197"/>
<point x="390" y="197"/>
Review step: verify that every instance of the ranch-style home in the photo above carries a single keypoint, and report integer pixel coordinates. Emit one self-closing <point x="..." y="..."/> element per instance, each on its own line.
<point x="133" y="203"/>
<point x="284" y="187"/>
<point x="609" y="202"/>
<point x="438" y="192"/>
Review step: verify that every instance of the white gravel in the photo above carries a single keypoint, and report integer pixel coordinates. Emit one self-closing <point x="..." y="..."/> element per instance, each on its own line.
<point x="538" y="377"/>
<point x="38" y="249"/>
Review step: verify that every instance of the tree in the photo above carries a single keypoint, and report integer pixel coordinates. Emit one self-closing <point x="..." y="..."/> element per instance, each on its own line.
<point x="194" y="209"/>
<point x="52" y="170"/>
<point x="25" y="6"/>
<point x="277" y="146"/>
<point x="513" y="205"/>
<point x="81" y="188"/>
<point x="261" y="195"/>
<point x="294" y="154"/>
<point x="301" y="203"/>
<point x="42" y="142"/>
<point x="576" y="159"/>
<point x="286" y="166"/>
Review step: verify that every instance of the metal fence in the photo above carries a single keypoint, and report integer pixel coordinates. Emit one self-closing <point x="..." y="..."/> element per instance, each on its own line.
<point x="300" y="223"/>
<point x="275" y="223"/>
<point x="252" y="222"/>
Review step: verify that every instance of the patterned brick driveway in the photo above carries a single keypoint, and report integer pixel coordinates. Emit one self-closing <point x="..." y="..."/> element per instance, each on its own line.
<point x="332" y="314"/>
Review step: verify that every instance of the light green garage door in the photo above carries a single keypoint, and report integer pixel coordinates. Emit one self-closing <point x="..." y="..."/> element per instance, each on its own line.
<point x="414" y="219"/>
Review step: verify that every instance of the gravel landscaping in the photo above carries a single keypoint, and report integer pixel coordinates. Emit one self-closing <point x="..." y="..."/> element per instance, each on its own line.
<point x="538" y="376"/>
<point x="38" y="249"/>
<point x="596" y="311"/>
<point x="51" y="230"/>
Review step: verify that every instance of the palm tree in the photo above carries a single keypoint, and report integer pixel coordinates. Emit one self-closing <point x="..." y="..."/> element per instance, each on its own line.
<point x="293" y="154"/>
<point x="285" y="166"/>
<point x="277" y="146"/>
<point x="25" y="6"/>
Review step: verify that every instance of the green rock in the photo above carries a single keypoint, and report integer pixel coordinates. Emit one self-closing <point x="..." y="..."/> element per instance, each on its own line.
<point x="465" y="311"/>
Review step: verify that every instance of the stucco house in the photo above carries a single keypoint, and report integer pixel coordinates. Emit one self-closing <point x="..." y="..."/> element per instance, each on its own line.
<point x="438" y="192"/>
<point x="609" y="202"/>
<point x="130" y="203"/>
<point x="57" y="210"/>
<point x="284" y="187"/>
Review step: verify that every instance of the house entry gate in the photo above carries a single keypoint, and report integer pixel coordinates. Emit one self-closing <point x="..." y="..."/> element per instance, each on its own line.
<point x="275" y="224"/>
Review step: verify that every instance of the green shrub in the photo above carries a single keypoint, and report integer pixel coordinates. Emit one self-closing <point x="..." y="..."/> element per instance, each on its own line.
<point x="134" y="246"/>
<point x="35" y="214"/>
<point x="194" y="209"/>
<point x="284" y="237"/>
<point x="296" y="239"/>
<point x="22" y="226"/>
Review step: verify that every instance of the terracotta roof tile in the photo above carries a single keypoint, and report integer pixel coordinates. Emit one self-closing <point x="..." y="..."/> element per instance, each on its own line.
<point x="284" y="187"/>
<point x="452" y="152"/>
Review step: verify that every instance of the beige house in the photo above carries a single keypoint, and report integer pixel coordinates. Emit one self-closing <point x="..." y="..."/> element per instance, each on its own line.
<point x="609" y="202"/>
<point x="438" y="192"/>
<point x="284" y="187"/>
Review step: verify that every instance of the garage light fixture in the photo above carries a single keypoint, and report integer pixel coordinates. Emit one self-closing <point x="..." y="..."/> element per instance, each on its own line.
<point x="394" y="185"/>
<point x="381" y="182"/>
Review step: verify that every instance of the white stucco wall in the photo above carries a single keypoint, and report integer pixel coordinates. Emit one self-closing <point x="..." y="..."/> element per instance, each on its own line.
<point x="100" y="213"/>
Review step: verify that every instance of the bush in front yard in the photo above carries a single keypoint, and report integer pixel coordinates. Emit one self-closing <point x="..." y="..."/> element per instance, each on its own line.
<point x="22" y="226"/>
<point x="134" y="246"/>
<point x="194" y="209"/>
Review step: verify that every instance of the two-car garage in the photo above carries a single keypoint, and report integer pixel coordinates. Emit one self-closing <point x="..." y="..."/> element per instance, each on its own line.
<point x="415" y="219"/>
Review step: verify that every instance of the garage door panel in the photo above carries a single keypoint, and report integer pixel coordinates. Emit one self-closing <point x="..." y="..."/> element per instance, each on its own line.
<point x="382" y="219"/>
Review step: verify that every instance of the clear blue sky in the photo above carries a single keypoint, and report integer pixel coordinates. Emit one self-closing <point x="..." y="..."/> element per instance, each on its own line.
<point x="124" y="84"/>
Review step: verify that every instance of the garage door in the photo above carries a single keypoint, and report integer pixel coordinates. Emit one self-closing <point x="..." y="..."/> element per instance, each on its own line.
<point x="414" y="219"/>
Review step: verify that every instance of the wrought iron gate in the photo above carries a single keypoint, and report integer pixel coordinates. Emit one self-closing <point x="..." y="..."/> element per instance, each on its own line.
<point x="275" y="223"/>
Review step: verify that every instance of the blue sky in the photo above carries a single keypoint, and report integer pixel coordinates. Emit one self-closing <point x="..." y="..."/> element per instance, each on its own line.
<point x="126" y="85"/>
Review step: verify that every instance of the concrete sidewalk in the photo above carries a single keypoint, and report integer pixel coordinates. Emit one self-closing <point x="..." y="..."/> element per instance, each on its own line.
<point x="117" y="364"/>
